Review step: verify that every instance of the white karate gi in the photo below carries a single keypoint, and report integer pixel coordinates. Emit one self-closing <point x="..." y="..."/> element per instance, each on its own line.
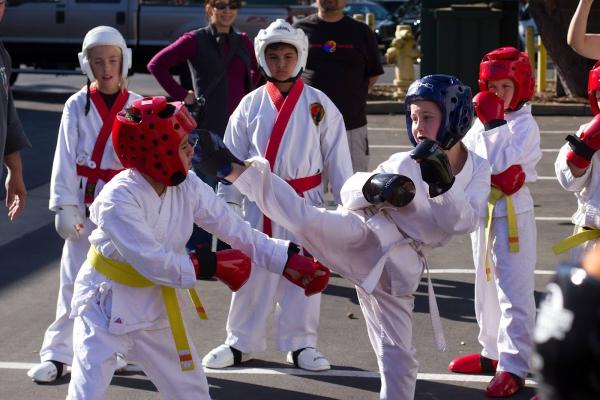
<point x="505" y="305"/>
<point x="307" y="148"/>
<point x="586" y="189"/>
<point x="379" y="248"/>
<point x="76" y="139"/>
<point x="149" y="232"/>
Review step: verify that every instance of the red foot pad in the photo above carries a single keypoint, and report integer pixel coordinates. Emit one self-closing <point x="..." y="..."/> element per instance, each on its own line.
<point x="473" y="364"/>
<point x="504" y="384"/>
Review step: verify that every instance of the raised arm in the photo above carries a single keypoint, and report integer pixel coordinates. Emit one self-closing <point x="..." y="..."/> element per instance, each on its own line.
<point x="586" y="44"/>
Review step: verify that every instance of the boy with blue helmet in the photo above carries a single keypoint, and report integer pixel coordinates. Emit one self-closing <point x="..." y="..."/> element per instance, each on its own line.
<point x="413" y="201"/>
<point x="454" y="100"/>
<point x="504" y="245"/>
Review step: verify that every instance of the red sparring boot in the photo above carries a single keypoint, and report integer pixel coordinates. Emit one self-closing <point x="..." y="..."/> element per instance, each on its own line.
<point x="536" y="397"/>
<point x="473" y="364"/>
<point x="504" y="384"/>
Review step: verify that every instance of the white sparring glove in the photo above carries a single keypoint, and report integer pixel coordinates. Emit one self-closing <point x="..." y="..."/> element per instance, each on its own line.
<point x="68" y="221"/>
<point x="236" y="208"/>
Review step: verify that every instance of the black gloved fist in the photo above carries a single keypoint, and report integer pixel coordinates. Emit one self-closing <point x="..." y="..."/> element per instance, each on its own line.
<point x="197" y="108"/>
<point x="211" y="156"/>
<point x="398" y="190"/>
<point x="435" y="167"/>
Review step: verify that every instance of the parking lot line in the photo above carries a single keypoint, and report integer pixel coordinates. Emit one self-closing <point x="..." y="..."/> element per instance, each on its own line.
<point x="300" y="372"/>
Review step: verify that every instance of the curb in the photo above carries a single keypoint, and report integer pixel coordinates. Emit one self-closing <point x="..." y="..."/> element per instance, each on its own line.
<point x="375" y="107"/>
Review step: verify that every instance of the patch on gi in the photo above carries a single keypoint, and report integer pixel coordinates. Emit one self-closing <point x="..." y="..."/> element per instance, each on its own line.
<point x="317" y="112"/>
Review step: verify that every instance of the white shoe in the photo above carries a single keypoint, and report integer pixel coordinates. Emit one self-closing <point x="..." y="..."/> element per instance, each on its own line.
<point x="121" y="364"/>
<point x="309" y="359"/>
<point x="223" y="357"/>
<point x="47" y="371"/>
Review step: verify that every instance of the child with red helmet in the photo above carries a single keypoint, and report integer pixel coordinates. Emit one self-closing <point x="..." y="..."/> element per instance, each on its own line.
<point x="124" y="296"/>
<point x="576" y="167"/>
<point x="84" y="161"/>
<point x="504" y="245"/>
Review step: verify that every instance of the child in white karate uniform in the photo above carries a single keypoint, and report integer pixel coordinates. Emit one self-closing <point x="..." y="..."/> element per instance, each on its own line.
<point x="83" y="162"/>
<point x="389" y="219"/>
<point x="577" y="166"/>
<point x="302" y="133"/>
<point x="125" y="293"/>
<point x="504" y="245"/>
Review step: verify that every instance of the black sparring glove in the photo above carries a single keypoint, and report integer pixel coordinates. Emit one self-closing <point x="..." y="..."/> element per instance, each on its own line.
<point x="398" y="190"/>
<point x="211" y="156"/>
<point x="435" y="167"/>
<point x="197" y="108"/>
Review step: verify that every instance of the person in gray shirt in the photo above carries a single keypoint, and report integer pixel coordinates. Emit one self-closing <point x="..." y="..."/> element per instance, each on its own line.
<point x="12" y="137"/>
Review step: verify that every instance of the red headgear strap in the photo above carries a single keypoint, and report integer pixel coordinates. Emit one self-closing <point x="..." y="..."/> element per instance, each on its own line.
<point x="147" y="137"/>
<point x="508" y="63"/>
<point x="593" y="85"/>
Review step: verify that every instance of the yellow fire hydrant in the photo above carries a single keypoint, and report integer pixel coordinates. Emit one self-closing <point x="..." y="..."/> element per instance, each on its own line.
<point x="402" y="53"/>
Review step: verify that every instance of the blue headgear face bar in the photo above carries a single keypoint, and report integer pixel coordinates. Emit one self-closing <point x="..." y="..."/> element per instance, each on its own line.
<point x="454" y="100"/>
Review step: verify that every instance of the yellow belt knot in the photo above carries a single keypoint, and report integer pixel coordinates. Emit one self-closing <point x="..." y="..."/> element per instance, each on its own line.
<point x="127" y="275"/>
<point x="583" y="235"/>
<point x="513" y="230"/>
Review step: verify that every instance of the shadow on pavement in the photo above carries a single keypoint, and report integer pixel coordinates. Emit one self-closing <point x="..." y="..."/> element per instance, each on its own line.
<point x="342" y="291"/>
<point x="43" y="96"/>
<point x="428" y="390"/>
<point x="29" y="253"/>
<point x="454" y="298"/>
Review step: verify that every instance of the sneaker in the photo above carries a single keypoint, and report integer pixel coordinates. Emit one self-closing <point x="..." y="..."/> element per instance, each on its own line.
<point x="309" y="359"/>
<point x="224" y="356"/>
<point x="121" y="364"/>
<point x="47" y="371"/>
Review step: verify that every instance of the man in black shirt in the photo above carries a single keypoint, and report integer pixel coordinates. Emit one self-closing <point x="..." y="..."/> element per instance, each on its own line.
<point x="344" y="62"/>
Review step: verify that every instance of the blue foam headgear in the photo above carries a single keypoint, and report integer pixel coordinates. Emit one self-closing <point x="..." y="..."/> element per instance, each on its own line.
<point x="454" y="100"/>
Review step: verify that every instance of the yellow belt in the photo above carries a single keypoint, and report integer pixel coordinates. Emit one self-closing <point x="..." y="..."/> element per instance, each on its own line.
<point x="513" y="230"/>
<point x="585" y="234"/>
<point x="125" y="274"/>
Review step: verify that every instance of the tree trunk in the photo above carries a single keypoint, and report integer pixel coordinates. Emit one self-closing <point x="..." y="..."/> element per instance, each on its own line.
<point x="552" y="18"/>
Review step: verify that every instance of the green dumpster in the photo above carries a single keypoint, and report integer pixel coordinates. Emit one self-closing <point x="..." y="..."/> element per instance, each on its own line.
<point x="456" y="34"/>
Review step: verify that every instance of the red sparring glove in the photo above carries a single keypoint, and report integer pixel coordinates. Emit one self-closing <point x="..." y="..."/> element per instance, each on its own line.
<point x="232" y="267"/>
<point x="489" y="109"/>
<point x="510" y="180"/>
<point x="305" y="268"/>
<point x="584" y="147"/>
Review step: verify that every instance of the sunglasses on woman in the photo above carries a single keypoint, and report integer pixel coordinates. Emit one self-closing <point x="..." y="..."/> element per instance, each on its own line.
<point x="233" y="5"/>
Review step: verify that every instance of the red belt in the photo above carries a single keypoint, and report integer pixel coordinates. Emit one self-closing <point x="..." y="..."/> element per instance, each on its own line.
<point x="94" y="175"/>
<point x="300" y="185"/>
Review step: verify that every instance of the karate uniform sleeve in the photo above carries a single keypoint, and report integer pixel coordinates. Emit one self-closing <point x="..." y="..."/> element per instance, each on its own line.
<point x="213" y="215"/>
<point x="460" y="209"/>
<point x="64" y="180"/>
<point x="335" y="149"/>
<point x="337" y="238"/>
<point x="506" y="147"/>
<point x="122" y="219"/>
<point x="238" y="142"/>
<point x="563" y="172"/>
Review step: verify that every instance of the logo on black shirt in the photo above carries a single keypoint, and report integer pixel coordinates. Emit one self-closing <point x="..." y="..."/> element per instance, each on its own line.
<point x="329" y="46"/>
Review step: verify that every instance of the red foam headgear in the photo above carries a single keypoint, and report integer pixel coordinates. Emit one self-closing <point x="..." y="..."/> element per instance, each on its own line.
<point x="593" y="85"/>
<point x="508" y="63"/>
<point x="147" y="137"/>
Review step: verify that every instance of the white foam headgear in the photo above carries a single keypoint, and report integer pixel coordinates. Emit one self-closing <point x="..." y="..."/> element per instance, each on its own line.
<point x="280" y="31"/>
<point x="103" y="35"/>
